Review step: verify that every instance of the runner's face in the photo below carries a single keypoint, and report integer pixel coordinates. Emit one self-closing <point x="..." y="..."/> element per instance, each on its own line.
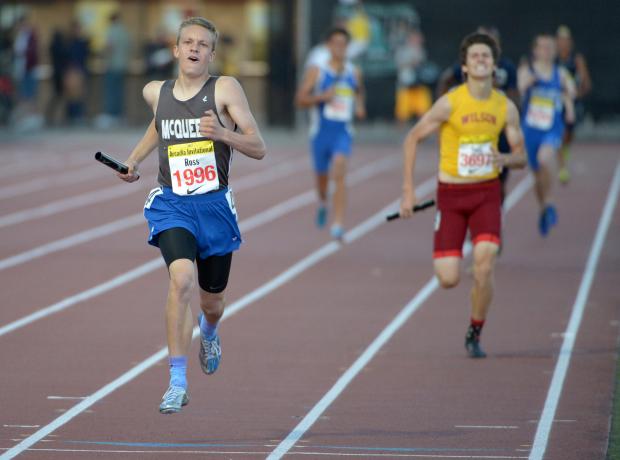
<point x="565" y="44"/>
<point x="195" y="50"/>
<point x="545" y="49"/>
<point x="479" y="62"/>
<point x="337" y="45"/>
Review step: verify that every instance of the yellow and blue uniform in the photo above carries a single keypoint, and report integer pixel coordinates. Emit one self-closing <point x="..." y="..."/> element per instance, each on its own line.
<point x="542" y="119"/>
<point x="331" y="130"/>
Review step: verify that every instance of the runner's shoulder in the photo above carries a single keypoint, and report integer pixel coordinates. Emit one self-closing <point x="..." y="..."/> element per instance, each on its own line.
<point x="151" y="90"/>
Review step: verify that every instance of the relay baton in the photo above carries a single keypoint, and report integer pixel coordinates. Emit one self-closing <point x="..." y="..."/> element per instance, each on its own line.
<point x="418" y="207"/>
<point x="111" y="162"/>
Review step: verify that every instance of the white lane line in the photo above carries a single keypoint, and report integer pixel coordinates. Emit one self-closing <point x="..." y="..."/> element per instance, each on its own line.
<point x="219" y="453"/>
<point x="488" y="427"/>
<point x="21" y="426"/>
<point x="66" y="204"/>
<point x="82" y="296"/>
<point x="50" y="180"/>
<point x="123" y="190"/>
<point x="305" y="263"/>
<point x="243" y="183"/>
<point x="251" y="223"/>
<point x="386" y="334"/>
<point x="561" y="368"/>
<point x="72" y="240"/>
<point x="66" y="397"/>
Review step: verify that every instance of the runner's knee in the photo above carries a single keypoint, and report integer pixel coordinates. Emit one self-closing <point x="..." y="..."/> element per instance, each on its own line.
<point x="181" y="277"/>
<point x="447" y="279"/>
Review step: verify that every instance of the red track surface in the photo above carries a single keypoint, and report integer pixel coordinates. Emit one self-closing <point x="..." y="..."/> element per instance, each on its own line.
<point x="418" y="397"/>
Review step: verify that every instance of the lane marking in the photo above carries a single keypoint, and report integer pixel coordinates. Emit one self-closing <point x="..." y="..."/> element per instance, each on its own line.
<point x="490" y="427"/>
<point x="49" y="180"/>
<point x="66" y="397"/>
<point x="262" y="453"/>
<point x="386" y="334"/>
<point x="66" y="204"/>
<point x="561" y="368"/>
<point x="21" y="426"/>
<point x="243" y="183"/>
<point x="291" y="272"/>
<point x="121" y="191"/>
<point x="251" y="223"/>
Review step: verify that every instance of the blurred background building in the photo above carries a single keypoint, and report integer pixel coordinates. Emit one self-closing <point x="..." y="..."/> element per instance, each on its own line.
<point x="61" y="60"/>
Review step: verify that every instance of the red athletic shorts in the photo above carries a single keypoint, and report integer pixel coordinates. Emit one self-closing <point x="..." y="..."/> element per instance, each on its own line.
<point x="459" y="206"/>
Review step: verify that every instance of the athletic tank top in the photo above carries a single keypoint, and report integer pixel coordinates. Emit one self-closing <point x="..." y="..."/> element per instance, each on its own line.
<point x="542" y="105"/>
<point x="189" y="162"/>
<point x="337" y="113"/>
<point x="467" y="136"/>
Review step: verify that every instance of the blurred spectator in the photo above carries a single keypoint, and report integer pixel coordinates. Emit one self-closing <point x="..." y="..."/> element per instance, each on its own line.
<point x="159" y="59"/>
<point x="25" y="61"/>
<point x="78" y="50"/>
<point x="577" y="67"/>
<point x="7" y="89"/>
<point x="58" y="59"/>
<point x="413" y="95"/>
<point x="117" y="53"/>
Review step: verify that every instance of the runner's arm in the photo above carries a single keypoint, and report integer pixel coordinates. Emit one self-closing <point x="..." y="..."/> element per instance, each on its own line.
<point x="150" y="140"/>
<point x="568" y="84"/>
<point x="516" y="159"/>
<point x="231" y="98"/>
<point x="305" y="97"/>
<point x="585" y="82"/>
<point x="360" y="96"/>
<point x="429" y="123"/>
<point x="525" y="79"/>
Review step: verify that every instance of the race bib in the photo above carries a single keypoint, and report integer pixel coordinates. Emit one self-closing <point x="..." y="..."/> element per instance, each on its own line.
<point x="340" y="108"/>
<point x="540" y="113"/>
<point x="475" y="156"/>
<point x="193" y="169"/>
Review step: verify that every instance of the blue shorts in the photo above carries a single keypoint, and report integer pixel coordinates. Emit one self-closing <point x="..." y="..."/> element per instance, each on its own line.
<point x="210" y="217"/>
<point x="325" y="144"/>
<point x="535" y="139"/>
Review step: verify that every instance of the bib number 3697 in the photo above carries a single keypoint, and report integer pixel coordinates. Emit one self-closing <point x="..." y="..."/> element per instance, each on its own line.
<point x="193" y="168"/>
<point x="475" y="159"/>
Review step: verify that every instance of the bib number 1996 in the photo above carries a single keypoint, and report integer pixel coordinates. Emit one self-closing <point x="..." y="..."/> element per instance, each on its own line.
<point x="193" y="168"/>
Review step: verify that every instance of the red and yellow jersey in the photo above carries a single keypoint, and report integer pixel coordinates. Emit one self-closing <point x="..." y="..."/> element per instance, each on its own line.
<point x="466" y="139"/>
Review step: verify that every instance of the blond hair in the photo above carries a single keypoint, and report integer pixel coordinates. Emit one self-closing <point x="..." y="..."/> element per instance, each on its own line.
<point x="202" y="22"/>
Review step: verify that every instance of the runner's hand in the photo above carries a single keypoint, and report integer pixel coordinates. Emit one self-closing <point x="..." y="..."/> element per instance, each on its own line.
<point x="328" y="94"/>
<point x="407" y="203"/>
<point x="499" y="160"/>
<point x="360" y="112"/>
<point x="132" y="173"/>
<point x="210" y="126"/>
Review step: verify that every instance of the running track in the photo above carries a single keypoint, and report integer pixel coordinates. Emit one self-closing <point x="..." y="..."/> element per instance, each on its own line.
<point x="329" y="351"/>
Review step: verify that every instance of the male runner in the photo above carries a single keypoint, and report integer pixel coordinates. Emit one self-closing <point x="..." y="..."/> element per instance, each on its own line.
<point x="198" y="120"/>
<point x="577" y="67"/>
<point x="546" y="89"/>
<point x="335" y="92"/>
<point x="505" y="79"/>
<point x="470" y="119"/>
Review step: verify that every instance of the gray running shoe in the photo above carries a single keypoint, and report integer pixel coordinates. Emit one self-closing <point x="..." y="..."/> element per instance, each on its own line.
<point x="210" y="353"/>
<point x="173" y="400"/>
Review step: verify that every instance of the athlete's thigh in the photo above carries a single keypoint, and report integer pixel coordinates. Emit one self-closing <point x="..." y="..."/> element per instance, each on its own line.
<point x="177" y="243"/>
<point x="485" y="221"/>
<point x="320" y="153"/>
<point x="213" y="273"/>
<point x="450" y="225"/>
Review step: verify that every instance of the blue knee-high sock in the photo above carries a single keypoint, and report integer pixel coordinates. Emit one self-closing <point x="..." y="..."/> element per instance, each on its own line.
<point x="207" y="330"/>
<point x="178" y="371"/>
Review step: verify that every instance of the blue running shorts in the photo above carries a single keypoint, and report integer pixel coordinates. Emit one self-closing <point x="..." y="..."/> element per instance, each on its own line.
<point x="535" y="139"/>
<point x="210" y="217"/>
<point x="325" y="144"/>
